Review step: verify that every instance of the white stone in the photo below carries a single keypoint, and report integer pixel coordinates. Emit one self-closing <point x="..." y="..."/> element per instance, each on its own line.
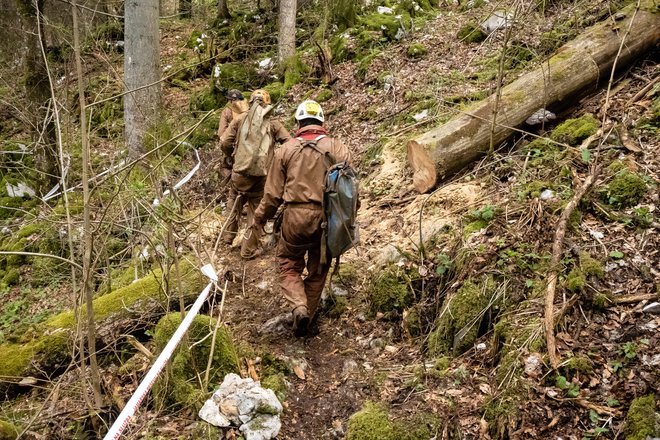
<point x="547" y="194"/>
<point x="654" y="307"/>
<point x="20" y="190"/>
<point x="539" y="116"/>
<point x="384" y="10"/>
<point x="421" y="115"/>
<point x="211" y="414"/>
<point x="500" y="19"/>
<point x="266" y="63"/>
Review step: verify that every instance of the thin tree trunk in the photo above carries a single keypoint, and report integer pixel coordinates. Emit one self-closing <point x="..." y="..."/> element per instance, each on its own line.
<point x="574" y="71"/>
<point x="141" y="67"/>
<point x="185" y="8"/>
<point x="223" y="10"/>
<point x="286" y="43"/>
<point x="87" y="289"/>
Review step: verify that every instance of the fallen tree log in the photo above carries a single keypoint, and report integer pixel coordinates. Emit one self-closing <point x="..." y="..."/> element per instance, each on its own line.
<point x="576" y="69"/>
<point x="45" y="351"/>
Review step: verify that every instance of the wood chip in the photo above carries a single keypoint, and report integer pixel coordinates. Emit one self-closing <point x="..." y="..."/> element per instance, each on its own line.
<point x="299" y="372"/>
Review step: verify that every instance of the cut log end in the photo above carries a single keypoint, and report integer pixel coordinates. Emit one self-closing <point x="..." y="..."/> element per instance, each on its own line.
<point x="424" y="172"/>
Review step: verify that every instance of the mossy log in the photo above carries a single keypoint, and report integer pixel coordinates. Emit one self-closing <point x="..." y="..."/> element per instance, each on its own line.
<point x="576" y="69"/>
<point x="46" y="350"/>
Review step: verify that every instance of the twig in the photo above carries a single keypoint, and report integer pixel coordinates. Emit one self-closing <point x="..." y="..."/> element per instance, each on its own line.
<point x="548" y="319"/>
<point x="38" y="254"/>
<point x="635" y="298"/>
<point x="639" y="95"/>
<point x="215" y="334"/>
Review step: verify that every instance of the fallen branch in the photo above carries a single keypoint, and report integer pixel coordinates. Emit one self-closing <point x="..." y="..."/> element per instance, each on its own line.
<point x="548" y="319"/>
<point x="628" y="299"/>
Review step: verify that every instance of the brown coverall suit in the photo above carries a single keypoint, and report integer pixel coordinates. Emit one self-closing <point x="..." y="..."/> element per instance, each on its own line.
<point x="231" y="111"/>
<point x="250" y="188"/>
<point x="296" y="178"/>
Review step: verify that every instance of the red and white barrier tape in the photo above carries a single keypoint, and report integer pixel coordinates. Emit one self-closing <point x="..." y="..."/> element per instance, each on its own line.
<point x="147" y="382"/>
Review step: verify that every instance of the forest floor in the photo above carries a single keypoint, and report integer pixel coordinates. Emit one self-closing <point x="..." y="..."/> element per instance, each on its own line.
<point x="360" y="354"/>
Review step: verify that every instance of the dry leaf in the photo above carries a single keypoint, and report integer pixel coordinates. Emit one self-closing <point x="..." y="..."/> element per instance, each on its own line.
<point x="299" y="372"/>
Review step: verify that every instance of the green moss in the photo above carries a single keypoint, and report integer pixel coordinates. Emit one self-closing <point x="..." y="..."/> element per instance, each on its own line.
<point x="148" y="288"/>
<point x="276" y="90"/>
<point x="237" y="75"/>
<point x="579" y="364"/>
<point x="344" y="13"/>
<point x="502" y="411"/>
<point x="8" y="431"/>
<point x="340" y="48"/>
<point x="625" y="189"/>
<point x="370" y="423"/>
<point x="574" y="131"/>
<point x="576" y="280"/>
<point x="602" y="301"/>
<point x="642" y="420"/>
<point x="294" y="71"/>
<point x="416" y="50"/>
<point x="46" y="353"/>
<point x="590" y="266"/>
<point x="12" y="277"/>
<point x="388" y="292"/>
<point x="413" y="323"/>
<point x="387" y="24"/>
<point x="471" y="33"/>
<point x="323" y="95"/>
<point x="277" y="383"/>
<point x="457" y="326"/>
<point x="337" y="306"/>
<point x="180" y="386"/>
<point x="202" y="135"/>
<point x="474" y="226"/>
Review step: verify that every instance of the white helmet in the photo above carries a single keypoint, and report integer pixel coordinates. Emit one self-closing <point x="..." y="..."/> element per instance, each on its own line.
<point x="309" y="109"/>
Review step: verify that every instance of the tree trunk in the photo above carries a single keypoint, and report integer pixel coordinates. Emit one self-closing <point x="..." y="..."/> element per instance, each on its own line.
<point x="38" y="94"/>
<point x="575" y="70"/>
<point x="185" y="8"/>
<point x="223" y="10"/>
<point x="141" y="72"/>
<point x="286" y="43"/>
<point x="137" y="306"/>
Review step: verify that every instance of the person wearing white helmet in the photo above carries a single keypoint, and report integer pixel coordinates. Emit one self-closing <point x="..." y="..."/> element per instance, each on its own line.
<point x="296" y="179"/>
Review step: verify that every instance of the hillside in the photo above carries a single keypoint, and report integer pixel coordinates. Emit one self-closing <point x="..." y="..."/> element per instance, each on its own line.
<point x="432" y="327"/>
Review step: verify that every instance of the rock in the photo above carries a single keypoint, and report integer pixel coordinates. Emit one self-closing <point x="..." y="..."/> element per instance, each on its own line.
<point x="388" y="82"/>
<point x="533" y="365"/>
<point x="278" y="324"/>
<point x="263" y="285"/>
<point x="654" y="307"/>
<point x="244" y="403"/>
<point x="211" y="414"/>
<point x="651" y="361"/>
<point x="266" y="63"/>
<point x="19" y="190"/>
<point x="481" y="346"/>
<point x="540" y="116"/>
<point x="547" y="194"/>
<point x="500" y="19"/>
<point x="384" y="10"/>
<point x="421" y="115"/>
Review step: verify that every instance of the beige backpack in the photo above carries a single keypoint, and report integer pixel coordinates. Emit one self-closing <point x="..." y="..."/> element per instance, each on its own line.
<point x="253" y="152"/>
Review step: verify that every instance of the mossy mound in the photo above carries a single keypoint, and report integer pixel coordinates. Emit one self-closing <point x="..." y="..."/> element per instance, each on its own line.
<point x="457" y="326"/>
<point x="591" y="266"/>
<point x="642" y="421"/>
<point x="370" y="423"/>
<point x="387" y="24"/>
<point x="471" y="33"/>
<point x="295" y="70"/>
<point x="323" y="95"/>
<point x="416" y="50"/>
<point x="373" y="422"/>
<point x="237" y="75"/>
<point x="389" y="292"/>
<point x="276" y="90"/>
<point x="8" y="431"/>
<point x="180" y="386"/>
<point x="625" y="189"/>
<point x="574" y="131"/>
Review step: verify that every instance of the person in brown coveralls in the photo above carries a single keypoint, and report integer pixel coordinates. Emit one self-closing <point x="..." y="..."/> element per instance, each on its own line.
<point x="296" y="178"/>
<point x="236" y="105"/>
<point x="247" y="188"/>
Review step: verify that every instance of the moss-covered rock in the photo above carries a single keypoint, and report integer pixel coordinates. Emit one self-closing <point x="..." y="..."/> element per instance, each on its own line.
<point x="323" y="95"/>
<point x="625" y="189"/>
<point x="416" y="50"/>
<point x="276" y="382"/>
<point x="8" y="431"/>
<point x="642" y="421"/>
<point x="370" y="423"/>
<point x="295" y="70"/>
<point x="387" y="24"/>
<point x="575" y="281"/>
<point x="11" y="277"/>
<point x="365" y="63"/>
<point x="389" y="292"/>
<point x="276" y="90"/>
<point x="457" y="326"/>
<point x="574" y="131"/>
<point x="471" y="33"/>
<point x="180" y="386"/>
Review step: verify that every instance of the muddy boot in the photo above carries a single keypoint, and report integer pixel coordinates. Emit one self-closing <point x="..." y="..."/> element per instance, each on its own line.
<point x="300" y="321"/>
<point x="250" y="244"/>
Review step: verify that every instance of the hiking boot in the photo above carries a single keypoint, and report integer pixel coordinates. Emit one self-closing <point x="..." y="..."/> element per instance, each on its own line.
<point x="300" y="321"/>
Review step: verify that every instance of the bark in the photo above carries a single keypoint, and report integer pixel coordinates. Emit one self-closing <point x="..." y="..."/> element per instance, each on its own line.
<point x="185" y="8"/>
<point x="286" y="42"/>
<point x="141" y="72"/>
<point x="575" y="70"/>
<point x="223" y="10"/>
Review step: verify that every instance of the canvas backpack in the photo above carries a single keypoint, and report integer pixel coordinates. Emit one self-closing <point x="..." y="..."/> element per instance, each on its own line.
<point x="253" y="151"/>
<point x="340" y="204"/>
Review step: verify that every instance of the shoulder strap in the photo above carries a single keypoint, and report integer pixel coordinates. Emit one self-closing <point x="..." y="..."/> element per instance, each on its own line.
<point x="313" y="143"/>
